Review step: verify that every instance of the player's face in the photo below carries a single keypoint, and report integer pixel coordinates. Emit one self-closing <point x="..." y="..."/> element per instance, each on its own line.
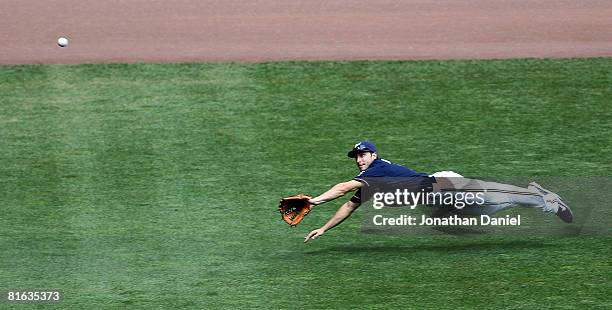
<point x="363" y="160"/>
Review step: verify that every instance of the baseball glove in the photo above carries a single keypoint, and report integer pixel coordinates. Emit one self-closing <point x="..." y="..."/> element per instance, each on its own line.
<point x="293" y="209"/>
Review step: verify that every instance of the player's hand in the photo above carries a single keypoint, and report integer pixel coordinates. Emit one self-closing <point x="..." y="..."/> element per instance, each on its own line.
<point x="313" y="234"/>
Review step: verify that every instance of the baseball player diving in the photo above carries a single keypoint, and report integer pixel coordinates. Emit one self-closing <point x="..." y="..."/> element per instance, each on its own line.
<point x="497" y="196"/>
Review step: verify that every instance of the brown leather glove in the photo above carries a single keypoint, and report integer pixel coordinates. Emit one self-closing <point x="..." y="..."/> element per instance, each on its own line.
<point x="293" y="209"/>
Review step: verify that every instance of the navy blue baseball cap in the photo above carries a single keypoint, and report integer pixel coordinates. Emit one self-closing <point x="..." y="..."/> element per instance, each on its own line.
<point x="361" y="147"/>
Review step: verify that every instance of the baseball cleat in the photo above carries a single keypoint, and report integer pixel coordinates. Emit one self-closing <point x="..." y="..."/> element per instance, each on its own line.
<point x="553" y="203"/>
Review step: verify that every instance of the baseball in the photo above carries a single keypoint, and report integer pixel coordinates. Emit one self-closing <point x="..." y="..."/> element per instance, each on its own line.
<point x="62" y="42"/>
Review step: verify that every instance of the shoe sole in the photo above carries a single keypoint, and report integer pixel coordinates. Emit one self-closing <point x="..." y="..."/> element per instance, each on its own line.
<point x="565" y="218"/>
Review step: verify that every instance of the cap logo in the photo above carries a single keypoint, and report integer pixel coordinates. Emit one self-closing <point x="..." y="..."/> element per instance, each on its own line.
<point x="362" y="147"/>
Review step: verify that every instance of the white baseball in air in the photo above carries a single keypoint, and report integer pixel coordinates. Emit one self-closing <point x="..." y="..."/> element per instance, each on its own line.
<point x="62" y="42"/>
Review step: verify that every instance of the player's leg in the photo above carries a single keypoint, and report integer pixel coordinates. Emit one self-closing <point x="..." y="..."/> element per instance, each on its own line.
<point x="500" y="196"/>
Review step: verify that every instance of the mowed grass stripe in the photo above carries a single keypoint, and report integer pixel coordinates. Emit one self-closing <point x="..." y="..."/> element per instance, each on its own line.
<point x="156" y="185"/>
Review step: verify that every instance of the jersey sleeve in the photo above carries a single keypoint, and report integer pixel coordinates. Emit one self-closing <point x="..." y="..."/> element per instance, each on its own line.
<point x="368" y="173"/>
<point x="356" y="197"/>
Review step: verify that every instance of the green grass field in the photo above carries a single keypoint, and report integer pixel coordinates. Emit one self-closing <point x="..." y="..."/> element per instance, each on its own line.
<point x="156" y="186"/>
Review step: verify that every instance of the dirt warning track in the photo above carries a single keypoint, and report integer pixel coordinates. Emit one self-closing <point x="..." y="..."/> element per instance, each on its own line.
<point x="106" y="31"/>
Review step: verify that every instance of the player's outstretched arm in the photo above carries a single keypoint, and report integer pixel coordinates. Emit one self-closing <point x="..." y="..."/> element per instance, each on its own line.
<point x="343" y="212"/>
<point x="336" y="191"/>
